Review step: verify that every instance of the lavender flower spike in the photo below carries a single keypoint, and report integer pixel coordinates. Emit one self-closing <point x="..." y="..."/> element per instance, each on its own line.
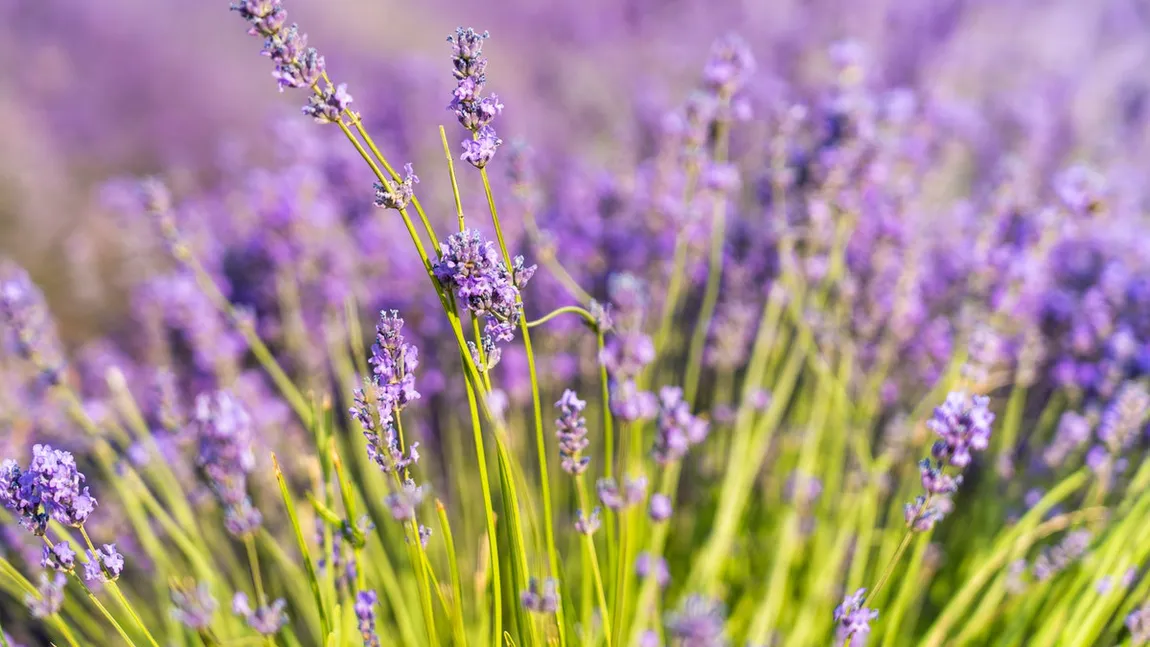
<point x="51" y="488"/>
<point x="572" y="433"/>
<point x="698" y="623"/>
<point x="194" y="607"/>
<point x="541" y="598"/>
<point x="962" y="426"/>
<point x="854" y="619"/>
<point x="104" y="565"/>
<point x="224" y="434"/>
<point x="266" y="620"/>
<point x="24" y="315"/>
<point x="365" y="614"/>
<point x="49" y="595"/>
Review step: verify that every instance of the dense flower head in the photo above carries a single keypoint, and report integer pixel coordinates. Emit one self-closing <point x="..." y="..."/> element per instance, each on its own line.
<point x="729" y="65"/>
<point x="925" y="512"/>
<point x="49" y="595"/>
<point x="633" y="492"/>
<point x="104" y="564"/>
<point x="1124" y="419"/>
<point x="224" y="437"/>
<point x="404" y="502"/>
<point x="699" y="622"/>
<point x="541" y="597"/>
<point x="479" y="150"/>
<point x="393" y="362"/>
<point x="1072" y="432"/>
<point x="327" y="106"/>
<point x="296" y="64"/>
<point x="648" y="566"/>
<point x="223" y="432"/>
<point x="51" y="488"/>
<point x="660" y="507"/>
<point x="397" y="194"/>
<point x="26" y="324"/>
<point x="473" y="269"/>
<point x="1058" y="557"/>
<point x="963" y="425"/>
<point x="678" y="430"/>
<point x="266" y="620"/>
<point x="365" y="602"/>
<point x="854" y="618"/>
<point x="571" y="429"/>
<point x="59" y="557"/>
<point x="1138" y="624"/>
<point x="194" y="606"/>
<point x="587" y="524"/>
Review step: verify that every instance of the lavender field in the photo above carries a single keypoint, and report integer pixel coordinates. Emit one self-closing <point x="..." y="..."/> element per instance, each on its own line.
<point x="626" y="323"/>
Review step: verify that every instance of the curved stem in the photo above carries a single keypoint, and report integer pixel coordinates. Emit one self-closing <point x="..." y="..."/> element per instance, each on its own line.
<point x="587" y="316"/>
<point x="115" y="588"/>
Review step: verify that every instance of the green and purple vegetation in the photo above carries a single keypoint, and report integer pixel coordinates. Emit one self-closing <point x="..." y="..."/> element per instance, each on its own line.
<point x="848" y="363"/>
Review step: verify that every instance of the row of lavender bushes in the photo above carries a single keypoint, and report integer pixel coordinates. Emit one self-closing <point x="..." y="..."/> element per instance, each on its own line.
<point x="816" y="369"/>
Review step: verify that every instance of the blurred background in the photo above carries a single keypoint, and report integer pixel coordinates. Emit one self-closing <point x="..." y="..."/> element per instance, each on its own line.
<point x="91" y="91"/>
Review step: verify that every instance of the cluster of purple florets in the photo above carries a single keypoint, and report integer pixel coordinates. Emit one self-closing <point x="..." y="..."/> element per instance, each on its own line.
<point x="472" y="268"/>
<point x="571" y="430"/>
<point x="296" y="64"/>
<point x="677" y="428"/>
<point x="392" y="386"/>
<point x="474" y="111"/>
<point x="223" y="433"/>
<point x="52" y="488"/>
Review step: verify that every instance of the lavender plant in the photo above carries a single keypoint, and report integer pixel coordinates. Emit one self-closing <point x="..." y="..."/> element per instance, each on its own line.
<point x="749" y="337"/>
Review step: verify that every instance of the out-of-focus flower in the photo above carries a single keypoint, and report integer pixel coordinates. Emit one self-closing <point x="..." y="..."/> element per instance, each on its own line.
<point x="541" y="597"/>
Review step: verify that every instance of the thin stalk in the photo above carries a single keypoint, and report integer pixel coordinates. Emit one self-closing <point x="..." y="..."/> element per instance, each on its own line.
<point x="96" y="601"/>
<point x="115" y="588"/>
<point x="456" y="580"/>
<point x="714" y="274"/>
<point x="540" y="442"/>
<point x="589" y="547"/>
<point x="489" y="509"/>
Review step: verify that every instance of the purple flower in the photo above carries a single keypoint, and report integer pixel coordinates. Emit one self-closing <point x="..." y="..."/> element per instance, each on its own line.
<point x="1124" y="418"/>
<point x="729" y="65"/>
<point x="1073" y="431"/>
<point x="922" y="514"/>
<point x="854" y="619"/>
<point x="572" y="433"/>
<point x="646" y="566"/>
<point x="51" y="488"/>
<point x="587" y="525"/>
<point x="962" y="426"/>
<point x="699" y="622"/>
<point x="474" y="111"/>
<point x="1138" y="623"/>
<point x="634" y="490"/>
<point x="630" y="404"/>
<point x="267" y="17"/>
<point x="266" y="620"/>
<point x="659" y="507"/>
<point x="104" y="565"/>
<point x="479" y="150"/>
<point x="194" y="607"/>
<point x="365" y="615"/>
<point x="393" y="362"/>
<point x="327" y="106"/>
<point x="935" y="480"/>
<point x="223" y="433"/>
<point x="25" y="320"/>
<point x="678" y="430"/>
<point x="397" y="194"/>
<point x="541" y="598"/>
<point x="49" y="595"/>
<point x="473" y="269"/>
<point x="59" y="557"/>
<point x="404" y="502"/>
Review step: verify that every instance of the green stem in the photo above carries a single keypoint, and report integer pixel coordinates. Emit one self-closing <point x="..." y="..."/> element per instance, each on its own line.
<point x="592" y="557"/>
<point x="540" y="442"/>
<point x="115" y="588"/>
<point x="489" y="509"/>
